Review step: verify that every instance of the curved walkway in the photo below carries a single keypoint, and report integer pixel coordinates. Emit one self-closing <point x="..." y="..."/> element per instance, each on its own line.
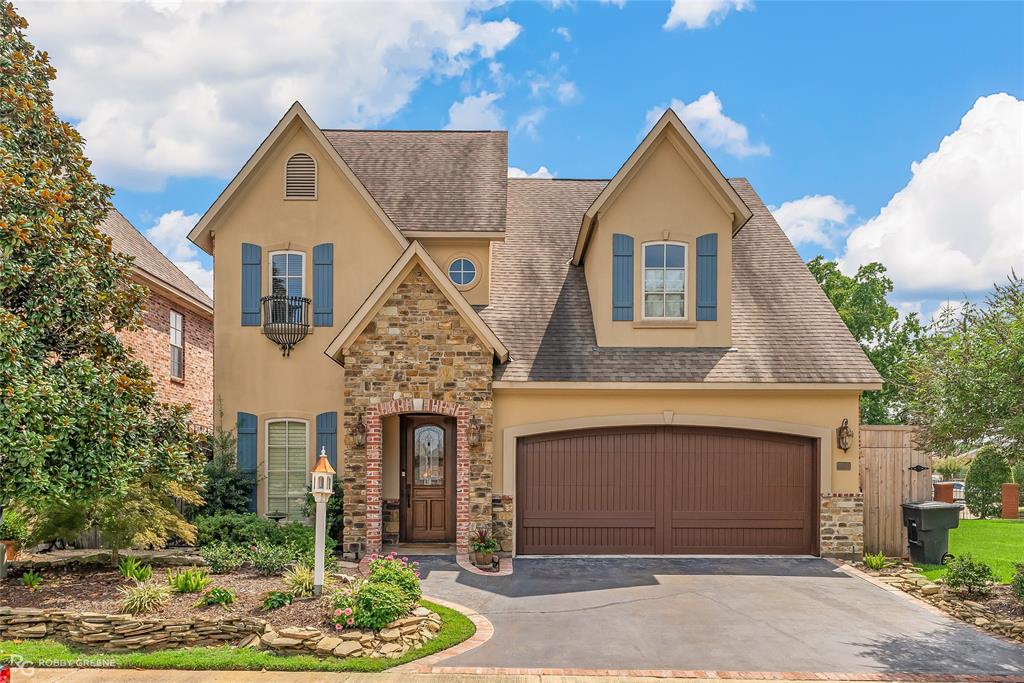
<point x="687" y="616"/>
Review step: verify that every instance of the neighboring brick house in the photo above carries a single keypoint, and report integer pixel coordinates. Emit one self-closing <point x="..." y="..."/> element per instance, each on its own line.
<point x="176" y="338"/>
<point x="634" y="365"/>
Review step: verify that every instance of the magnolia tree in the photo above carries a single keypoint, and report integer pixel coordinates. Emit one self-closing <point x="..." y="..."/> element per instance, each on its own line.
<point x="79" y="424"/>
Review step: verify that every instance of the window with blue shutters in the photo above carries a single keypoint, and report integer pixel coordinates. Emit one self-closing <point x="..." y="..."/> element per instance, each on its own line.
<point x="664" y="280"/>
<point x="323" y="285"/>
<point x="707" y="277"/>
<point x="622" y="277"/>
<point x="252" y="284"/>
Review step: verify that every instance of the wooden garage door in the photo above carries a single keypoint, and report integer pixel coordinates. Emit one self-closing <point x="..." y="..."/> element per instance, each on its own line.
<point x="666" y="490"/>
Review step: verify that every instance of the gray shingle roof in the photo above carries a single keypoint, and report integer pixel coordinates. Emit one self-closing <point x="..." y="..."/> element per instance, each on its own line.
<point x="431" y="180"/>
<point x="128" y="240"/>
<point x="784" y="328"/>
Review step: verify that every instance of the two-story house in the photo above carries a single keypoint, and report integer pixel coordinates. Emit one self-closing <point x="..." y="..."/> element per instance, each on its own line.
<point x="637" y="365"/>
<point x="175" y="340"/>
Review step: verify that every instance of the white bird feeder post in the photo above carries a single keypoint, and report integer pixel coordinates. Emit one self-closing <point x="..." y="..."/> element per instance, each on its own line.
<point x="323" y="487"/>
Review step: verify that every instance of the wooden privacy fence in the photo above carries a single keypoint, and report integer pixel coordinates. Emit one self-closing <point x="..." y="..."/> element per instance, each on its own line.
<point x="892" y="471"/>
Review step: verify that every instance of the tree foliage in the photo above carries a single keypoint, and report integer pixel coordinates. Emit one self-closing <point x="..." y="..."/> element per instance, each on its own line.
<point x="983" y="485"/>
<point x="966" y="385"/>
<point x="888" y="341"/>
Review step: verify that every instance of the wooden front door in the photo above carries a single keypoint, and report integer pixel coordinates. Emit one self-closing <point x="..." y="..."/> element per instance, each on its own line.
<point x="428" y="469"/>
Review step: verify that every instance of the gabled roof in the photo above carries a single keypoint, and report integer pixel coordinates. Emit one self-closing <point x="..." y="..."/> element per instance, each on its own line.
<point x="432" y="181"/>
<point x="151" y="263"/>
<point x="200" y="234"/>
<point x="414" y="255"/>
<point x="691" y="150"/>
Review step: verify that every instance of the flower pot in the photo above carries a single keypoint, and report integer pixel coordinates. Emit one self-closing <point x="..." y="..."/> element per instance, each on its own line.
<point x="482" y="559"/>
<point x="11" y="549"/>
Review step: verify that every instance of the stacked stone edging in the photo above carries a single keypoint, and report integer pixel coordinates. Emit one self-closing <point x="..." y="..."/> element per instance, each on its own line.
<point x="126" y="633"/>
<point x="93" y="558"/>
<point x="842" y="525"/>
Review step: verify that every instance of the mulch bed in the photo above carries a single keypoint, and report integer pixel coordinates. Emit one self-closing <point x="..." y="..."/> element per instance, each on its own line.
<point x="95" y="590"/>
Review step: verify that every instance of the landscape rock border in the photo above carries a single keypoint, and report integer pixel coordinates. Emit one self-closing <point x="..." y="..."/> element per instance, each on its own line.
<point x="126" y="633"/>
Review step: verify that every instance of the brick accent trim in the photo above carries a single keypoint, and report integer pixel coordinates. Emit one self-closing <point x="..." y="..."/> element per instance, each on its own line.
<point x="375" y="465"/>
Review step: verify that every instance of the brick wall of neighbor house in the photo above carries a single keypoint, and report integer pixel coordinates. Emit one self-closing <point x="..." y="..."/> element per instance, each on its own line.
<point x="152" y="346"/>
<point x="842" y="524"/>
<point x="417" y="347"/>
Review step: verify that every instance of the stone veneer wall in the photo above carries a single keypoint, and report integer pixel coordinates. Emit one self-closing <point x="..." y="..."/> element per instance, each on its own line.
<point x="417" y="351"/>
<point x="391" y="513"/>
<point x="502" y="520"/>
<point x="842" y="525"/>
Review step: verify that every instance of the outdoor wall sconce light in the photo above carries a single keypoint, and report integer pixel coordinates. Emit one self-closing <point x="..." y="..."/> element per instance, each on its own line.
<point x="473" y="432"/>
<point x="844" y="434"/>
<point x="359" y="432"/>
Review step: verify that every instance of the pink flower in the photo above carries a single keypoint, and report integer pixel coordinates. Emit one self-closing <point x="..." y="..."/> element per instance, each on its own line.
<point x="348" y="611"/>
<point x="337" y="627"/>
<point x="373" y="557"/>
<point x="415" y="563"/>
<point x="337" y="612"/>
<point x="350" y="621"/>
<point x="405" y="559"/>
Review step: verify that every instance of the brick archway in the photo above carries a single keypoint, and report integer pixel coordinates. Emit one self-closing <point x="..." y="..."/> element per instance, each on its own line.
<point x="375" y="465"/>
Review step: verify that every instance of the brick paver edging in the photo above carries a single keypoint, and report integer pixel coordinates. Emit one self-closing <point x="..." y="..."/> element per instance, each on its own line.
<point x="484" y="631"/>
<point x="504" y="566"/>
<point x="726" y="675"/>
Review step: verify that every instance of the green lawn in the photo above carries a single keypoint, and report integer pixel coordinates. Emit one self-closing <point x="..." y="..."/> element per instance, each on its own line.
<point x="998" y="543"/>
<point x="455" y="628"/>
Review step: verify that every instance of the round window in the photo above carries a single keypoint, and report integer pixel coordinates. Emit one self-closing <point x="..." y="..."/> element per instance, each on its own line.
<point x="462" y="271"/>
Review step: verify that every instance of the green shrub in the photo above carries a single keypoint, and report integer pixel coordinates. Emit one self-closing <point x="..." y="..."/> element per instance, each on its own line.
<point x="13" y="526"/>
<point x="367" y="604"/>
<point x="140" y="598"/>
<point x="226" y="488"/>
<point x="223" y="557"/>
<point x="876" y="562"/>
<point x="398" y="572"/>
<point x="965" y="575"/>
<point x="132" y="568"/>
<point x="244" y="529"/>
<point x="277" y="600"/>
<point x="30" y="579"/>
<point x="217" y="596"/>
<point x="299" y="580"/>
<point x="1017" y="582"/>
<point x="983" y="486"/>
<point x="188" y="580"/>
<point x="269" y="559"/>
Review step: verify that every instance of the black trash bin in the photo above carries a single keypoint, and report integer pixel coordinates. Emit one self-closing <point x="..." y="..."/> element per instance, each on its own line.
<point x="928" y="526"/>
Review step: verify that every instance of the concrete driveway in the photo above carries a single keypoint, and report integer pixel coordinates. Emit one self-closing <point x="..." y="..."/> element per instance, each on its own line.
<point x="730" y="614"/>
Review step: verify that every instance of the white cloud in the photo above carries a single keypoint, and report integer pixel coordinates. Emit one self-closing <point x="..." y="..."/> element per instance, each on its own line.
<point x="707" y="122"/>
<point x="813" y="219"/>
<point x="958" y="225"/>
<point x="164" y="89"/>
<point x="528" y="122"/>
<point x="618" y="3"/>
<point x="541" y="172"/>
<point x="170" y="235"/>
<point x="694" y="14"/>
<point x="475" y="112"/>
<point x="565" y="33"/>
<point x="567" y="93"/>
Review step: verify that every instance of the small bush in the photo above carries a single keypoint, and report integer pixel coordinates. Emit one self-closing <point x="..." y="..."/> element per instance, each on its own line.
<point x="13" y="526"/>
<point x="234" y="528"/>
<point x="983" y="486"/>
<point x="269" y="559"/>
<point x="367" y="604"/>
<point x="223" y="557"/>
<point x="132" y="568"/>
<point x="140" y="598"/>
<point x="1017" y="582"/>
<point x="964" y="575"/>
<point x="876" y="562"/>
<point x="299" y="580"/>
<point x="277" y="600"/>
<point x="398" y="572"/>
<point x="188" y="580"/>
<point x="30" y="579"/>
<point x="217" y="596"/>
<point x="483" y="541"/>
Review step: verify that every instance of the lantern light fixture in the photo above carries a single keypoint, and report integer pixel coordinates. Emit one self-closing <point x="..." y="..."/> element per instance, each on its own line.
<point x="359" y="432"/>
<point x="844" y="435"/>
<point x="473" y="432"/>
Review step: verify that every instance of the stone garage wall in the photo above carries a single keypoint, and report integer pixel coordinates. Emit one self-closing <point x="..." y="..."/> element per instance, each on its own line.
<point x="842" y="525"/>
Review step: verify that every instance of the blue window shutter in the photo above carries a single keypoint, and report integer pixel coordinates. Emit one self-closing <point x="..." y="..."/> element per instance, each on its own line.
<point x="252" y="285"/>
<point x="323" y="285"/>
<point x="245" y="433"/>
<point x="707" y="277"/>
<point x="327" y="436"/>
<point x="622" y="277"/>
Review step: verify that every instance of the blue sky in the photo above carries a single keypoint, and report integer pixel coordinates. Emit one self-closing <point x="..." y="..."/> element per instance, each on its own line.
<point x="824" y="106"/>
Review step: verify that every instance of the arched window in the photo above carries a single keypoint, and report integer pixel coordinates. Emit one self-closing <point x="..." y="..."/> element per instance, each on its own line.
<point x="300" y="177"/>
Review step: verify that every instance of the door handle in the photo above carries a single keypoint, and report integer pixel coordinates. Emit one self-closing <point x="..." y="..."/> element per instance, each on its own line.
<point x="408" y="495"/>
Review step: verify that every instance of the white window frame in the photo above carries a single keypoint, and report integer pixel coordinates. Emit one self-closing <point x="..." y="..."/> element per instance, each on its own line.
<point x="170" y="334"/>
<point x="266" y="459"/>
<point x="643" y="280"/>
<point x="270" y="270"/>
<point x="316" y="179"/>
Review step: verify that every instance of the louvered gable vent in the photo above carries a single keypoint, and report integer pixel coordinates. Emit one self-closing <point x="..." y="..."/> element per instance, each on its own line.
<point x="300" y="177"/>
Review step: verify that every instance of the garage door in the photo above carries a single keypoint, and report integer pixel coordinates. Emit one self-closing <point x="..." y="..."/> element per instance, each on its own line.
<point x="666" y="490"/>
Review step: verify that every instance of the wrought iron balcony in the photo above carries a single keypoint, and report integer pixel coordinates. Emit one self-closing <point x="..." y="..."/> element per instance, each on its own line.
<point x="285" y="320"/>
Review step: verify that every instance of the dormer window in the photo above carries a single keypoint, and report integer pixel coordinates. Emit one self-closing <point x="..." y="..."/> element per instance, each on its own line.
<point x="300" y="177"/>
<point x="664" y="281"/>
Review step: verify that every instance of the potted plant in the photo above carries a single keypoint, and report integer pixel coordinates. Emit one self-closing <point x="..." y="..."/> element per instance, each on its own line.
<point x="13" y="532"/>
<point x="484" y="545"/>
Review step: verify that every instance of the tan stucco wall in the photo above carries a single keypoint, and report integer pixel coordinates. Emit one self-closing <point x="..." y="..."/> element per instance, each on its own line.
<point x="250" y="374"/>
<point x="444" y="251"/>
<point x="663" y="199"/>
<point x="809" y="412"/>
